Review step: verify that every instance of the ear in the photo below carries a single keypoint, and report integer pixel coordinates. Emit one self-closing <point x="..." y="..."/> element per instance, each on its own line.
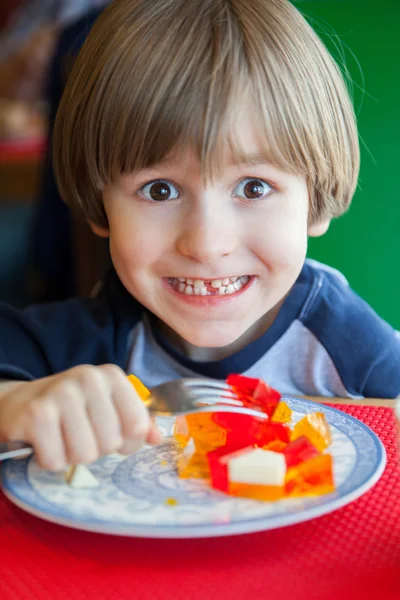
<point x="319" y="228"/>
<point x="103" y="232"/>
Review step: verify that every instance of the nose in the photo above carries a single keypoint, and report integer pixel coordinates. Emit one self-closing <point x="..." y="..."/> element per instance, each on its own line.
<point x="208" y="231"/>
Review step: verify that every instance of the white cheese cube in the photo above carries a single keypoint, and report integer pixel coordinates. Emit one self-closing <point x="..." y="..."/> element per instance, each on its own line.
<point x="80" y="477"/>
<point x="258" y="467"/>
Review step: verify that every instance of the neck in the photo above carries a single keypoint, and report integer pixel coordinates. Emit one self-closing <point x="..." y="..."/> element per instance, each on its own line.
<point x="202" y="354"/>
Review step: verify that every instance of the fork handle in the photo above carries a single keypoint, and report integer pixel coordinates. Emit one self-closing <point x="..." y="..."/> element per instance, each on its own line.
<point x="14" y="450"/>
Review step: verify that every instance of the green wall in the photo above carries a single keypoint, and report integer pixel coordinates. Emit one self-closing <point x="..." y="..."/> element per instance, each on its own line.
<point x="365" y="243"/>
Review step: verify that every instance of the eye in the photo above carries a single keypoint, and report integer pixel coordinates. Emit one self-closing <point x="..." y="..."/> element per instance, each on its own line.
<point x="159" y="191"/>
<point x="252" y="189"/>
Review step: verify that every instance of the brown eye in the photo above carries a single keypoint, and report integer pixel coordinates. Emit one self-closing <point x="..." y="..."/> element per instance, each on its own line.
<point x="159" y="191"/>
<point x="252" y="189"/>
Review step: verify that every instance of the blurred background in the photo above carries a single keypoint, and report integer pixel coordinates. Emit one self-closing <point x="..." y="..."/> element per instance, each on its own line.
<point x="46" y="254"/>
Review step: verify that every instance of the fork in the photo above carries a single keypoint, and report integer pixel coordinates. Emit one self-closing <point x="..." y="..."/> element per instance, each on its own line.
<point x="171" y="399"/>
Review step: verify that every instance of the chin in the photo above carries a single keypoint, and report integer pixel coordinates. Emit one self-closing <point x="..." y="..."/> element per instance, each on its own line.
<point x="210" y="338"/>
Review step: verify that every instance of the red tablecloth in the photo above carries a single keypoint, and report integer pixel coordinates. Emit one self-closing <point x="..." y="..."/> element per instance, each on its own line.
<point x="351" y="553"/>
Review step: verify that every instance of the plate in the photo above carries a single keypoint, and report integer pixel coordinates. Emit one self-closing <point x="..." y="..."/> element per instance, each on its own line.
<point x="134" y="492"/>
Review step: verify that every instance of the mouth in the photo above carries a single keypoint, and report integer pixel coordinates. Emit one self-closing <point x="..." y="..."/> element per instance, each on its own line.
<point x="209" y="287"/>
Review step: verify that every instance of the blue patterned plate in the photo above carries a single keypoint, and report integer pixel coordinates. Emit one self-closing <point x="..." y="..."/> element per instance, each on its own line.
<point x="133" y="493"/>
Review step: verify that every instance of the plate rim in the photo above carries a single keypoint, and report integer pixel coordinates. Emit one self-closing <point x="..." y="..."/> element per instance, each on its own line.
<point x="239" y="527"/>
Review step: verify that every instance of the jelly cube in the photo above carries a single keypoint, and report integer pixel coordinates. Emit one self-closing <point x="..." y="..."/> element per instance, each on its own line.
<point x="256" y="466"/>
<point x="243" y="429"/>
<point x="275" y="431"/>
<point x="310" y="478"/>
<point x="218" y="464"/>
<point x="282" y="413"/>
<point x="275" y="446"/>
<point x="299" y="451"/>
<point x="314" y="427"/>
<point x="254" y="393"/>
<point x="266" y="493"/>
<point x="181" y="432"/>
<point x="192" y="463"/>
<point x="206" y="433"/>
<point x="141" y="389"/>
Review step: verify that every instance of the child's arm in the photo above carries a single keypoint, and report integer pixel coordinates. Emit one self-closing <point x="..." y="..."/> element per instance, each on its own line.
<point x="75" y="416"/>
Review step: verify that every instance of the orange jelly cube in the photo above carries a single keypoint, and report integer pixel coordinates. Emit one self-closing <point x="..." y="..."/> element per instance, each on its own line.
<point x="314" y="427"/>
<point x="266" y="493"/>
<point x="206" y="434"/>
<point x="141" y="389"/>
<point x="275" y="446"/>
<point x="282" y="413"/>
<point x="311" y="477"/>
<point x="193" y="464"/>
<point x="181" y="432"/>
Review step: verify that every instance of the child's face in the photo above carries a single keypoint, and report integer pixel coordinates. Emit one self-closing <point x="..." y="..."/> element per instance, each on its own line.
<point x="248" y="226"/>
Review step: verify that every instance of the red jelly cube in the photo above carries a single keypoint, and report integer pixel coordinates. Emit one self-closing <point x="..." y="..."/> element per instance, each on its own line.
<point x="275" y="431"/>
<point x="299" y="451"/>
<point x="254" y="393"/>
<point x="218" y="464"/>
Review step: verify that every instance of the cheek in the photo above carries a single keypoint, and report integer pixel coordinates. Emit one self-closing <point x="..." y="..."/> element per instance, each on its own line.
<point x="134" y="245"/>
<point x="280" y="244"/>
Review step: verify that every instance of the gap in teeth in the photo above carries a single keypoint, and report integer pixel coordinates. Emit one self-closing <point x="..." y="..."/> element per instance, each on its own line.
<point x="199" y="287"/>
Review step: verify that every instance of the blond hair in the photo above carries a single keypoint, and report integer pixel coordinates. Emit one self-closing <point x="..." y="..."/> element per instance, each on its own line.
<point x="156" y="73"/>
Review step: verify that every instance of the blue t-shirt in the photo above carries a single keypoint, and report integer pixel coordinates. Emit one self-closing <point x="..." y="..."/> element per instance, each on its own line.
<point x="325" y="341"/>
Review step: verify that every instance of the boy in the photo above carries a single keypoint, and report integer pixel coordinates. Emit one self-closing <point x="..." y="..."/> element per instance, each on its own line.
<point x="207" y="140"/>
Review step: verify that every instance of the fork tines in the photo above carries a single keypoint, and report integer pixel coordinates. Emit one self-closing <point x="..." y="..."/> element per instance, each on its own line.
<point x="213" y="391"/>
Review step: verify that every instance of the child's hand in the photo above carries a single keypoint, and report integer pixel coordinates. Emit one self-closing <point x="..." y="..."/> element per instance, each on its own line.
<point x="76" y="416"/>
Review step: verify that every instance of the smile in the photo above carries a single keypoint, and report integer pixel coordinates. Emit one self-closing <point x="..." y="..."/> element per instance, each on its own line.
<point x="208" y="287"/>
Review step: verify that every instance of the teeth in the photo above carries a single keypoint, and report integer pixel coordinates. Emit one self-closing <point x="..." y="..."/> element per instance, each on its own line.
<point x="200" y="287"/>
<point x="217" y="283"/>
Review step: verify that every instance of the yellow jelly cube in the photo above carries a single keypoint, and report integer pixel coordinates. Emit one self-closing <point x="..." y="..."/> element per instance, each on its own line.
<point x="282" y="413"/>
<point x="314" y="427"/>
<point x="141" y="389"/>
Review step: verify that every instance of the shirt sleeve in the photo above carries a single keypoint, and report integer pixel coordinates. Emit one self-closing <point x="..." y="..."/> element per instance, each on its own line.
<point x="363" y="347"/>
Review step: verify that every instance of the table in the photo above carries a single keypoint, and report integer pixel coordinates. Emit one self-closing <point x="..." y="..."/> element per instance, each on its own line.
<point x="353" y="553"/>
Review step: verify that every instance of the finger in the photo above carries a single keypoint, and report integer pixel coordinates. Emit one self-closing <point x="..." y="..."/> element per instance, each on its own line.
<point x="154" y="437"/>
<point x="79" y="437"/>
<point x="133" y="415"/>
<point x="104" y="420"/>
<point x="44" y="433"/>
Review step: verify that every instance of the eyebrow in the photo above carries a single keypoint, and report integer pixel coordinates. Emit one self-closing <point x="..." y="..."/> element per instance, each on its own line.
<point x="241" y="160"/>
<point x="249" y="159"/>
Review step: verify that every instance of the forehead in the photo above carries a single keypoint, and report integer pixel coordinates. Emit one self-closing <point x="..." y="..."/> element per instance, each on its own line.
<point x="241" y="144"/>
